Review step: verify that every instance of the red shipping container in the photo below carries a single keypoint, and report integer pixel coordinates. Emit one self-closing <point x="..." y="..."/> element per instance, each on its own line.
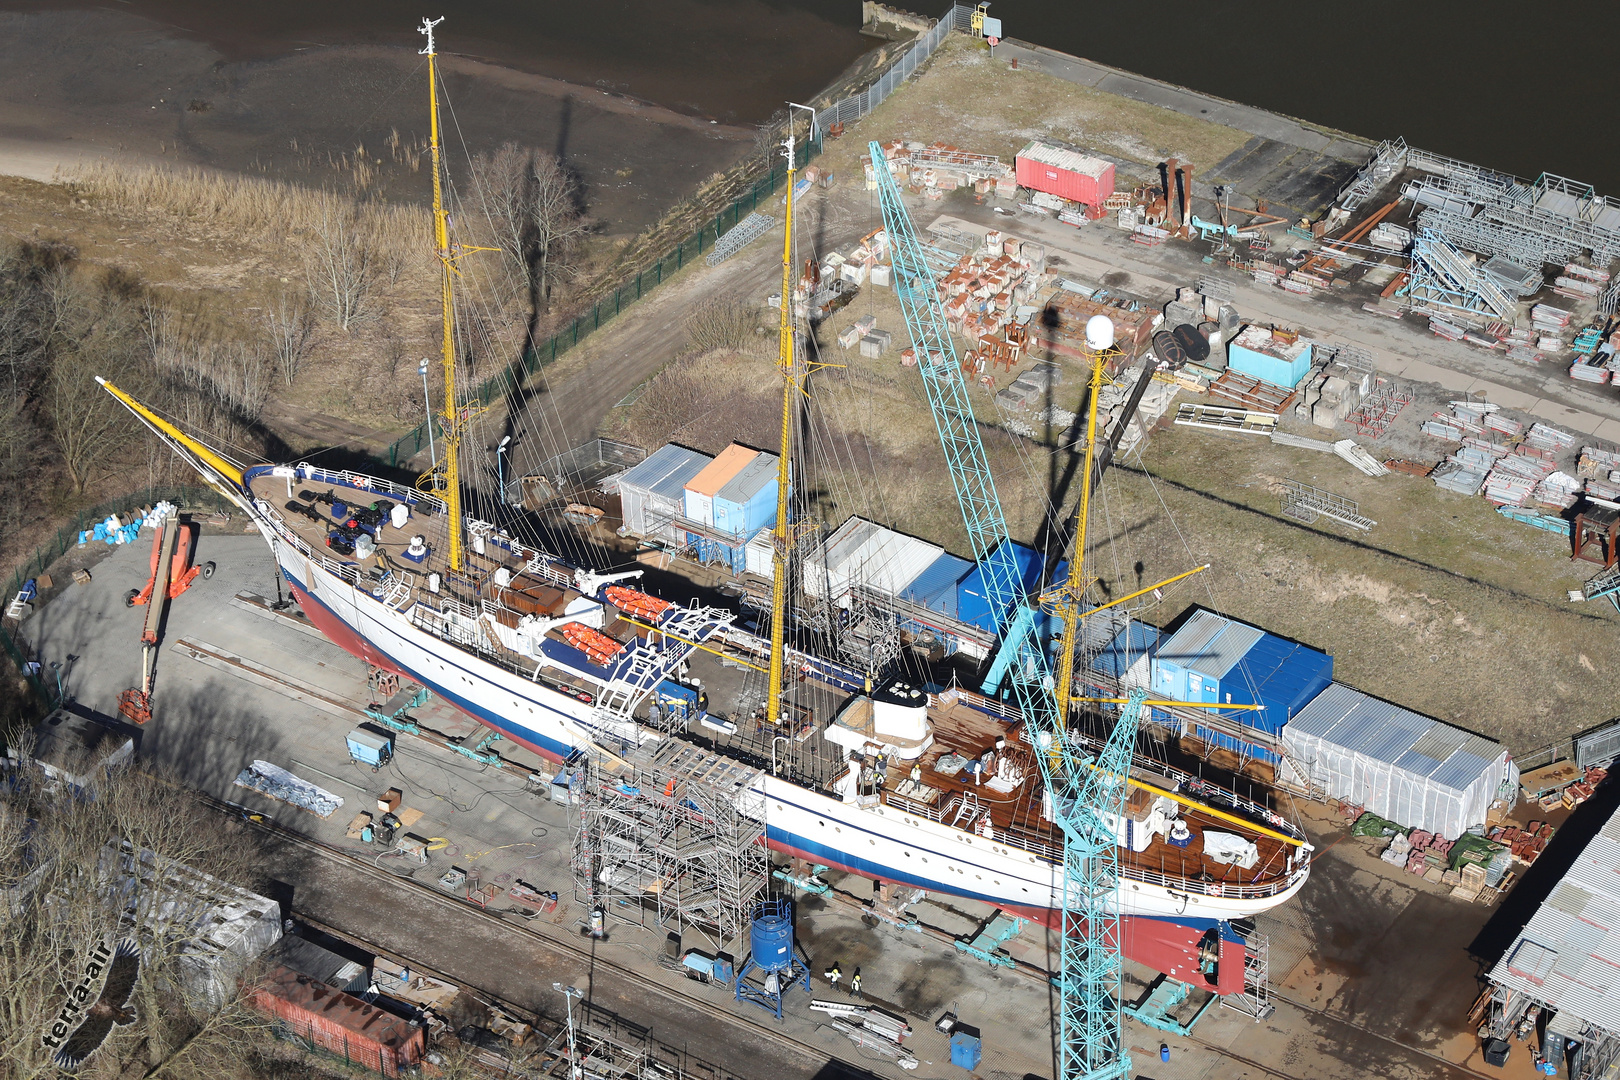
<point x="340" y="1023"/>
<point x="1077" y="177"/>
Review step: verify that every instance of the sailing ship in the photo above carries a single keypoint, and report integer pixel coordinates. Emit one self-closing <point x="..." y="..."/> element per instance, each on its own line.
<point x="939" y="790"/>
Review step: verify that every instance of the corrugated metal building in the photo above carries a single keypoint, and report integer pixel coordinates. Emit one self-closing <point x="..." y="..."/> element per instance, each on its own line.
<point x="973" y="601"/>
<point x="653" y="492"/>
<point x="1565" y="959"/>
<point x="864" y="554"/>
<point x="1399" y="764"/>
<point x="1218" y="660"/>
<point x="1065" y="173"/>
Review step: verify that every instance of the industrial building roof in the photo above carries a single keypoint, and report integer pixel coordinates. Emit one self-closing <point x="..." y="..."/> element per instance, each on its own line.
<point x="1447" y="756"/>
<point x="1210" y="644"/>
<point x="1057" y="156"/>
<point x="1567" y="955"/>
<point x="718" y="472"/>
<point x="867" y="554"/>
<point x="973" y="595"/>
<point x="758" y="473"/>
<point x="666" y="471"/>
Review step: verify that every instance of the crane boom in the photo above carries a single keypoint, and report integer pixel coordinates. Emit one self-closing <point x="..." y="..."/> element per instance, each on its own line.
<point x="1088" y="794"/>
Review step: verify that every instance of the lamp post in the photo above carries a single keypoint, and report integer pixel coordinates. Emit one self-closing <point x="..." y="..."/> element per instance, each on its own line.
<point x="56" y="669"/>
<point x="569" y="993"/>
<point x="427" y="405"/>
<point x="500" y="469"/>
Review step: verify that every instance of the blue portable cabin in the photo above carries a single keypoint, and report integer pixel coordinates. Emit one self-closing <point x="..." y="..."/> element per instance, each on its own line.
<point x="747" y="502"/>
<point x="1214" y="659"/>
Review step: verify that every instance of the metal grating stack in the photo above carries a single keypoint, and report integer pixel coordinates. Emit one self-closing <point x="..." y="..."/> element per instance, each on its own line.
<point x="739" y="236"/>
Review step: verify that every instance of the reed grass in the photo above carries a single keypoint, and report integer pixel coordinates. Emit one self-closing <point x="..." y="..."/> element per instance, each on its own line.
<point x="270" y="213"/>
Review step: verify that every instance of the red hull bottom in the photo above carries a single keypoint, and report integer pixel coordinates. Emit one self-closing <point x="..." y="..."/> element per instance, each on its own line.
<point x="1161" y="944"/>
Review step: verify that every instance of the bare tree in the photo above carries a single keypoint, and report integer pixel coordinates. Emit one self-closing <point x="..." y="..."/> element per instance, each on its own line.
<point x="115" y="893"/>
<point x="341" y="261"/>
<point x="289" y="324"/>
<point x="90" y="334"/>
<point x="531" y="206"/>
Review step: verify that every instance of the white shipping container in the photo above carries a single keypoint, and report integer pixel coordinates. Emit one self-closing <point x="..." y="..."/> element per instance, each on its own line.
<point x="759" y="554"/>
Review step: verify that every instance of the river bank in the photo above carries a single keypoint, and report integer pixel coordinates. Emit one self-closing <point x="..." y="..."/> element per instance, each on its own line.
<point x="80" y="86"/>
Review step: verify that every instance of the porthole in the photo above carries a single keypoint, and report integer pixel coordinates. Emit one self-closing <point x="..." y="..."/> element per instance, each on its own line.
<point x="872" y="842"/>
<point x="908" y="854"/>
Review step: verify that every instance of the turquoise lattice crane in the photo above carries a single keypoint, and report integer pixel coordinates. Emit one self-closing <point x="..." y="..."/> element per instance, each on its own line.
<point x="1088" y="793"/>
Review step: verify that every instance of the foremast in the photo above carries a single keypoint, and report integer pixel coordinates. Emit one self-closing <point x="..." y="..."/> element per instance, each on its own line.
<point x="445" y="477"/>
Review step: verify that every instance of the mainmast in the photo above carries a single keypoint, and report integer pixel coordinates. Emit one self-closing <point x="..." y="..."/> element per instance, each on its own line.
<point x="449" y="480"/>
<point x="785" y="344"/>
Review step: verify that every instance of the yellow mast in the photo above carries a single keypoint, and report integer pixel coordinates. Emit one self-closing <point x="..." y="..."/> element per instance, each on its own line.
<point x="450" y="479"/>
<point x="785" y="343"/>
<point x="1072" y="589"/>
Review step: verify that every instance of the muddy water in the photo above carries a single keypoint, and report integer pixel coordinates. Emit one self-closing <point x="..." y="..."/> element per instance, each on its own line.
<point x="734" y="60"/>
<point x="1510" y="93"/>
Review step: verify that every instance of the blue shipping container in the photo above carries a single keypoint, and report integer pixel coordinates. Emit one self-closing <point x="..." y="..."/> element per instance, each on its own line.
<point x="746" y="503"/>
<point x="966" y="1050"/>
<point x="1277" y="370"/>
<point x="1219" y="660"/>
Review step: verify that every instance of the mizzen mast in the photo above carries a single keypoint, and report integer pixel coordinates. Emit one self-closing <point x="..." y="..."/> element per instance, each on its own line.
<point x="785" y="362"/>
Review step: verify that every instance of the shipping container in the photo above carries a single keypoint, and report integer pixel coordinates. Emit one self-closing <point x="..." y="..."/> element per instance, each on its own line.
<point x="1217" y="660"/>
<point x="698" y="497"/>
<point x="1257" y="352"/>
<point x="1129" y="655"/>
<point x="339" y="1023"/>
<point x="1067" y="174"/>
<point x="652" y="493"/>
<point x="759" y="555"/>
<point x="747" y="501"/>
<point x="1399" y="764"/>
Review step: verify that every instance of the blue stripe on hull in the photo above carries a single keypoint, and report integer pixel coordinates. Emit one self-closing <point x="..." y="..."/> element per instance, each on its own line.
<point x="551" y="748"/>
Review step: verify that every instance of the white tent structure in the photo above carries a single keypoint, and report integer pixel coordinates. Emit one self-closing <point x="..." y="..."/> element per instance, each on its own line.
<point x="1401" y="765"/>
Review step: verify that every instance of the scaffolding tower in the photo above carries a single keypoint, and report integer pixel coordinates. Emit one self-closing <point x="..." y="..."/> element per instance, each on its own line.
<point x="674" y="834"/>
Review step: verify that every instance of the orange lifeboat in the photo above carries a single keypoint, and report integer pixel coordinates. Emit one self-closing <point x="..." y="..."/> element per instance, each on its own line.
<point x="634" y="602"/>
<point x="598" y="648"/>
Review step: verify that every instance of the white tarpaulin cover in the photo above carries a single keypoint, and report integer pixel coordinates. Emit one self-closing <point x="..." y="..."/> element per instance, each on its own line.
<point x="278" y="783"/>
<point x="1401" y="765"/>
<point x="1224" y="847"/>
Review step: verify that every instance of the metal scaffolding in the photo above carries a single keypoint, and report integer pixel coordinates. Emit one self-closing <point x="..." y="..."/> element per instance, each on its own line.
<point x="675" y="833"/>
